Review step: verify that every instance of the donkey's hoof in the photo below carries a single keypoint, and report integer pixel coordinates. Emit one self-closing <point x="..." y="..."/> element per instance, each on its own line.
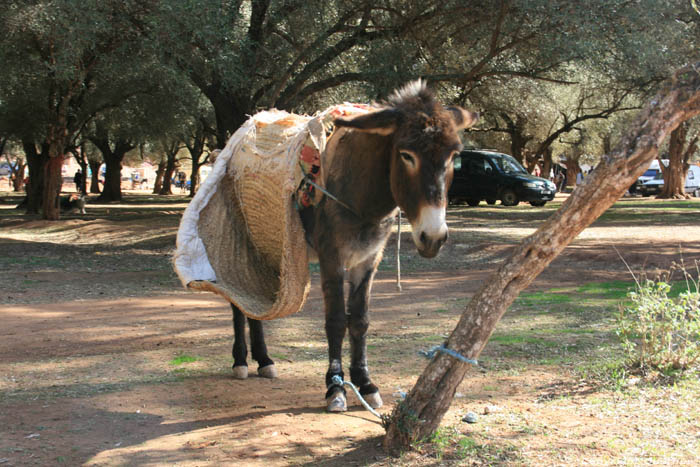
<point x="337" y="403"/>
<point x="374" y="400"/>
<point x="268" y="371"/>
<point x="240" y="372"/>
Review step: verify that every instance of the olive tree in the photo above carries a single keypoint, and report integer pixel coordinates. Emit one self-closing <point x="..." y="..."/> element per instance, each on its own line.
<point x="65" y="60"/>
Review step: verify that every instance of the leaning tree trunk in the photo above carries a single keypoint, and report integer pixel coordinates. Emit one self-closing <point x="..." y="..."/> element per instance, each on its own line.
<point x="419" y="415"/>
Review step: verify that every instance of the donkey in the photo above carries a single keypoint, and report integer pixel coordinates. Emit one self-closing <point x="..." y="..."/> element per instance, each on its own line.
<point x="397" y="157"/>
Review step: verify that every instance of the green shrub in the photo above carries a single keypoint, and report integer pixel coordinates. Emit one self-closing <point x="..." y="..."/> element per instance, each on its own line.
<point x="660" y="332"/>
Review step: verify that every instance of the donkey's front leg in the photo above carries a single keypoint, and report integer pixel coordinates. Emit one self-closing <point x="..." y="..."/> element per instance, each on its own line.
<point x="361" y="277"/>
<point x="332" y="285"/>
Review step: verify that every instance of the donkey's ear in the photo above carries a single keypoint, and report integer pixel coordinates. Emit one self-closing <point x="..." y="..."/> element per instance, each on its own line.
<point x="382" y="122"/>
<point x="463" y="118"/>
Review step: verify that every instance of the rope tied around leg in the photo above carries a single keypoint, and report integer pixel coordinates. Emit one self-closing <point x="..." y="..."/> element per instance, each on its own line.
<point x="441" y="348"/>
<point x="340" y="382"/>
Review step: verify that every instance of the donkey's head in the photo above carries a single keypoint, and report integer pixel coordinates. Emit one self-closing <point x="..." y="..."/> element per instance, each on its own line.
<point x="424" y="143"/>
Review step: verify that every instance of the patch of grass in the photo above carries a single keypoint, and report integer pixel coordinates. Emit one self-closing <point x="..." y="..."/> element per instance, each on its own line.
<point x="574" y="331"/>
<point x="182" y="358"/>
<point x="519" y="339"/>
<point x="542" y="298"/>
<point x="451" y="447"/>
<point x="613" y="290"/>
<point x="609" y="373"/>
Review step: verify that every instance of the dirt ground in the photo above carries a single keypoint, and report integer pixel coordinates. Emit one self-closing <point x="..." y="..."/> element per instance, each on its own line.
<point x="106" y="360"/>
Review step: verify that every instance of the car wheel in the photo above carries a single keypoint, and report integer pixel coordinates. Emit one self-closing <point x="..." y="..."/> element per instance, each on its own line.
<point x="473" y="202"/>
<point x="509" y="198"/>
<point x="490" y="201"/>
<point x="538" y="204"/>
<point x="696" y="193"/>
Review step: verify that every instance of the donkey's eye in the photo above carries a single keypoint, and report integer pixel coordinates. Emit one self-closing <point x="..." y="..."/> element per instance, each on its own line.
<point x="409" y="159"/>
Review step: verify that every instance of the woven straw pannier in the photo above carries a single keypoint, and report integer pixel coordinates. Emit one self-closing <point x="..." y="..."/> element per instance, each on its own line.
<point x="241" y="236"/>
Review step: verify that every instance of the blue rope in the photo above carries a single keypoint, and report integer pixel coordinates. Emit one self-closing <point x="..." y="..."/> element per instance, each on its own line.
<point x="441" y="348"/>
<point x="339" y="381"/>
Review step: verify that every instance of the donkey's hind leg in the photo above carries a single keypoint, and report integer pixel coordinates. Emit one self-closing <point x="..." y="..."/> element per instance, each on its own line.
<point x="361" y="277"/>
<point x="239" y="350"/>
<point x="266" y="367"/>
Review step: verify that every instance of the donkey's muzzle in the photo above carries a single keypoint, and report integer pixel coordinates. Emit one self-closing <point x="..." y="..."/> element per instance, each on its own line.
<point x="430" y="231"/>
<point x="429" y="247"/>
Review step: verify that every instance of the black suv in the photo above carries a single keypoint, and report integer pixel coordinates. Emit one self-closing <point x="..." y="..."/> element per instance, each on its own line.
<point x="488" y="175"/>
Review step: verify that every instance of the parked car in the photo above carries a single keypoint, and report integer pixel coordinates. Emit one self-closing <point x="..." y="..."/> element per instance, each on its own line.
<point x="651" y="173"/>
<point x="692" y="183"/>
<point x="489" y="175"/>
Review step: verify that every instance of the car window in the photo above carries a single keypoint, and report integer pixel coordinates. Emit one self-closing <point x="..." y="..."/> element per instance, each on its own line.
<point x="457" y="163"/>
<point x="691" y="175"/>
<point x="650" y="173"/>
<point x="487" y="167"/>
<point x="508" y="164"/>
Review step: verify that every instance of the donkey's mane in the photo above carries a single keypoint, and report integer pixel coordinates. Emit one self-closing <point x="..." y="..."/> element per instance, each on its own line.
<point x="422" y="113"/>
<point x="412" y="94"/>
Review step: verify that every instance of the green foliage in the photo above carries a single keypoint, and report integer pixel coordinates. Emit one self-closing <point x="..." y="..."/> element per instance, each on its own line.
<point x="658" y="331"/>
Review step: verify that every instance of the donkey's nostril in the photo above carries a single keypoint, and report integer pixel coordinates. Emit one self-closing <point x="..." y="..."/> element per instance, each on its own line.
<point x="422" y="237"/>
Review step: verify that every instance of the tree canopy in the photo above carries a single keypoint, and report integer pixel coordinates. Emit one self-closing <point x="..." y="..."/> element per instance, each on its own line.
<point x="536" y="69"/>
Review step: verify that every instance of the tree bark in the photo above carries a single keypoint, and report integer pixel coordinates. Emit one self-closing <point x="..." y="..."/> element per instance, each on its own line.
<point x="36" y="161"/>
<point x="112" y="188"/>
<point x="17" y="173"/>
<point x="419" y="415"/>
<point x="94" y="176"/>
<point x="195" y="145"/>
<point x="518" y="137"/>
<point x="171" y="164"/>
<point x="166" y="186"/>
<point x="572" y="170"/>
<point x="547" y="163"/>
<point x="52" y="188"/>
<point x="158" y="183"/>
<point x="678" y="164"/>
